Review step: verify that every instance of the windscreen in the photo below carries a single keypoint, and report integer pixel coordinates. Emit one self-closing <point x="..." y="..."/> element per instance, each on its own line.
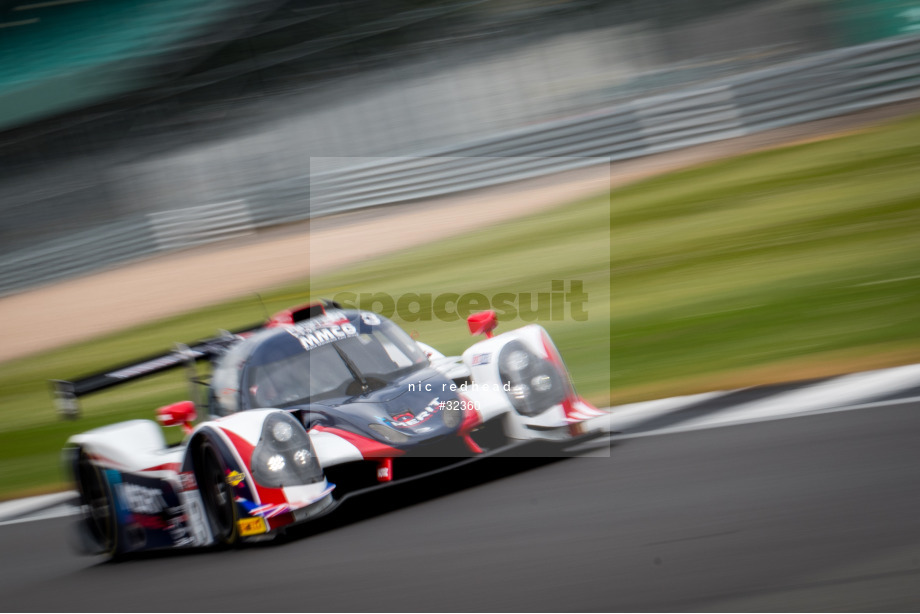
<point x="299" y="378"/>
<point x="383" y="351"/>
<point x="310" y="363"/>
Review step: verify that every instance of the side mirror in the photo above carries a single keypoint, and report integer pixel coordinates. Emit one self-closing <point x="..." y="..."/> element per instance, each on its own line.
<point x="178" y="414"/>
<point x="482" y="323"/>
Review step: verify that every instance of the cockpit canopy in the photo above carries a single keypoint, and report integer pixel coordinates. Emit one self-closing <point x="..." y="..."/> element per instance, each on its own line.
<point x="339" y="354"/>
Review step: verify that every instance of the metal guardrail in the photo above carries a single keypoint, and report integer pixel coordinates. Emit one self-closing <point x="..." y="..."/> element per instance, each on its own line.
<point x="83" y="252"/>
<point x="810" y="88"/>
<point x="816" y="87"/>
<point x="197" y="225"/>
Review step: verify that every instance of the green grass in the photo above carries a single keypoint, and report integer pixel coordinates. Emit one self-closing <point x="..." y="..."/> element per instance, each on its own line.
<point x="784" y="264"/>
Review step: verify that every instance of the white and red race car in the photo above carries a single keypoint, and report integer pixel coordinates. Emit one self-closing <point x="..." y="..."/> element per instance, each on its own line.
<point x="317" y="404"/>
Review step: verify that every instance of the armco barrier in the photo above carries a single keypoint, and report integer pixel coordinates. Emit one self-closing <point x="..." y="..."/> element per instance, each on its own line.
<point x="84" y="252"/>
<point x="810" y="88"/>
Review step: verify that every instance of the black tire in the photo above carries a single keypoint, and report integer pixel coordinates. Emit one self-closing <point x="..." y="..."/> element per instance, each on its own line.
<point x="100" y="511"/>
<point x="216" y="494"/>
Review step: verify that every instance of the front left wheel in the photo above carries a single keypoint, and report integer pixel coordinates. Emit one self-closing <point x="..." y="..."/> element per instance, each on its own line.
<point x="216" y="493"/>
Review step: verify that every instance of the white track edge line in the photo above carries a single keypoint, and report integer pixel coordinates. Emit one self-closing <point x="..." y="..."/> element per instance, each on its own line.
<point x="713" y="425"/>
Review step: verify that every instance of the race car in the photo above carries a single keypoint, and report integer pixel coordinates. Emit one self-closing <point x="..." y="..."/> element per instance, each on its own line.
<point x="304" y="410"/>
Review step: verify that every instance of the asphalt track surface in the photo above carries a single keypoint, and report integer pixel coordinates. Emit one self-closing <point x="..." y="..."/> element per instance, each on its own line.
<point x="818" y="512"/>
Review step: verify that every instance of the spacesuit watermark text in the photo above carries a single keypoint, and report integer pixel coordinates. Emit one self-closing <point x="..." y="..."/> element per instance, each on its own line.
<point x="565" y="299"/>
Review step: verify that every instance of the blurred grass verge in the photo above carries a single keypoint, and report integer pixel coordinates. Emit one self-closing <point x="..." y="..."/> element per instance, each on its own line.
<point x="787" y="264"/>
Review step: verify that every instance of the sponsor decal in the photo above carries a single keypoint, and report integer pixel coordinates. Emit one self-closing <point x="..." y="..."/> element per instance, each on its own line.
<point x="151" y="509"/>
<point x="196" y="522"/>
<point x="152" y="365"/>
<point x="481" y="359"/>
<point x="252" y="526"/>
<point x="407" y="419"/>
<point x="234" y="478"/>
<point x="313" y="337"/>
<point x="177" y="526"/>
<point x="141" y="499"/>
<point x="187" y="481"/>
<point x="330" y="318"/>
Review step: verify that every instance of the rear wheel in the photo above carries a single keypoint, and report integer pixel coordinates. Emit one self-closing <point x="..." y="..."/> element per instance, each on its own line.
<point x="216" y="494"/>
<point x="100" y="512"/>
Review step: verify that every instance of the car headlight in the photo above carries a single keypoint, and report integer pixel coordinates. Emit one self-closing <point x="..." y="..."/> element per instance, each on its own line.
<point x="517" y="360"/>
<point x="284" y="455"/>
<point x="542" y="383"/>
<point x="275" y="463"/>
<point x="282" y="431"/>
<point x="534" y="384"/>
<point x="388" y="434"/>
<point x="302" y="457"/>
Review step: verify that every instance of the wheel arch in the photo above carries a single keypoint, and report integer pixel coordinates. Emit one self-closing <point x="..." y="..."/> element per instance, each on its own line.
<point x="208" y="458"/>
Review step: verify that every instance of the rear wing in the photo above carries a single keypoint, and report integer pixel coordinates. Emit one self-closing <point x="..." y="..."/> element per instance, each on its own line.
<point x="66" y="393"/>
